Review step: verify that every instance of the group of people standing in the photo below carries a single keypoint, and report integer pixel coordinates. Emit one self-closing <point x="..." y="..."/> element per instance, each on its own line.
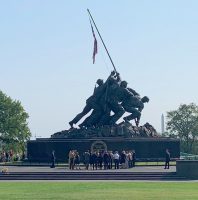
<point x="102" y="160"/>
<point x="74" y="159"/>
<point x="6" y="156"/>
<point x="9" y="156"/>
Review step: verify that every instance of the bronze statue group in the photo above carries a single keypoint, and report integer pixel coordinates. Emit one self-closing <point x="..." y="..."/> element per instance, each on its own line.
<point x="110" y="100"/>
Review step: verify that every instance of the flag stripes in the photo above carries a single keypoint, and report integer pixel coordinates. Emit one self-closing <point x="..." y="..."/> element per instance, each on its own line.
<point x="95" y="49"/>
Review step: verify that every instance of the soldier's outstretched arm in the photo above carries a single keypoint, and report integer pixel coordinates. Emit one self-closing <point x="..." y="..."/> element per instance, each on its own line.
<point x="110" y="77"/>
<point x="134" y="92"/>
<point x="140" y="106"/>
<point x="118" y="77"/>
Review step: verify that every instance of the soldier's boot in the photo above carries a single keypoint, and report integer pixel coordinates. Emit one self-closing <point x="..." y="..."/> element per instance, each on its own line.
<point x="71" y="124"/>
<point x="83" y="125"/>
<point x="129" y="117"/>
<point x="75" y="120"/>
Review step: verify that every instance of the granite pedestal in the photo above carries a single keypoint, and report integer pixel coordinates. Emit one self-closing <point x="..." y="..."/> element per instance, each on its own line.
<point x="146" y="148"/>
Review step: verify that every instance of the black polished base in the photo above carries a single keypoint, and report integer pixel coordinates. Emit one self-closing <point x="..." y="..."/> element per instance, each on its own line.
<point x="145" y="148"/>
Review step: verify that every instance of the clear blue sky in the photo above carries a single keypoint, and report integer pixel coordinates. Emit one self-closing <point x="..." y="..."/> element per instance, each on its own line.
<point x="46" y="48"/>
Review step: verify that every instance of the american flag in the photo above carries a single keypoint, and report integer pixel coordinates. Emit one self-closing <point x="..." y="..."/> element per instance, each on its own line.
<point x="95" y="49"/>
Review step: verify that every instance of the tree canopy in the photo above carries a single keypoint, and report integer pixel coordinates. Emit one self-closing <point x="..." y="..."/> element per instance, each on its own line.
<point x="183" y="123"/>
<point x="14" y="131"/>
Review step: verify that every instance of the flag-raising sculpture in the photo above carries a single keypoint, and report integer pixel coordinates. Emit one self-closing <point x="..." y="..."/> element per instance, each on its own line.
<point x="113" y="96"/>
<point x="110" y="101"/>
<point x="105" y="109"/>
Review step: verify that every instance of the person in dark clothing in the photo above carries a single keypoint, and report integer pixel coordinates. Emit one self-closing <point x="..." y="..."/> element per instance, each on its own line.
<point x="7" y="156"/>
<point x="100" y="159"/>
<point x="123" y="159"/>
<point x="133" y="158"/>
<point x="86" y="159"/>
<point x="167" y="157"/>
<point x="53" y="158"/>
<point x="106" y="160"/>
<point x="77" y="160"/>
<point x="93" y="160"/>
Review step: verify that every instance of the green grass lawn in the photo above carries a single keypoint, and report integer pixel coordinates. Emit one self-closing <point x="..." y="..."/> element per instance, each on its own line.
<point x="173" y="163"/>
<point x="99" y="190"/>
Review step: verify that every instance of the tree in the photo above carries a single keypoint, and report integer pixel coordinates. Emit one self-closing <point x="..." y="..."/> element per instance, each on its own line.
<point x="183" y="123"/>
<point x="14" y="131"/>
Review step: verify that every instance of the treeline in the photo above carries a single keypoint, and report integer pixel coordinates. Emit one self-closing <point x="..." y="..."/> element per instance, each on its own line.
<point x="183" y="124"/>
<point x="14" y="131"/>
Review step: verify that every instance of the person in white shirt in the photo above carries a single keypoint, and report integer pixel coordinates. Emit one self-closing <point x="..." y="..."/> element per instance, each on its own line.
<point x="116" y="158"/>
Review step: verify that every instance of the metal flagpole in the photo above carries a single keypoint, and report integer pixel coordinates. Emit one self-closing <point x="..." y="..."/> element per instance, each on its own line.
<point x="102" y="40"/>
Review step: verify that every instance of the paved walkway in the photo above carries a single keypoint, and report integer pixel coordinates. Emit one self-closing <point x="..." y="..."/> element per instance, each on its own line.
<point x="63" y="169"/>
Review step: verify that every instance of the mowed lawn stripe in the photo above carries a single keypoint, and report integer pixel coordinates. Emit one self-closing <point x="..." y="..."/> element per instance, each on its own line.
<point x="99" y="190"/>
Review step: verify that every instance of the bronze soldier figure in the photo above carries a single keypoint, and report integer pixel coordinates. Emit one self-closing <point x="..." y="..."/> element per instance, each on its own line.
<point x="91" y="103"/>
<point x="134" y="105"/>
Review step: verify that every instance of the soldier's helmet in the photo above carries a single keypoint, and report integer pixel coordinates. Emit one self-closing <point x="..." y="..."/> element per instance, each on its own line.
<point x="123" y="84"/>
<point x="99" y="81"/>
<point x="145" y="99"/>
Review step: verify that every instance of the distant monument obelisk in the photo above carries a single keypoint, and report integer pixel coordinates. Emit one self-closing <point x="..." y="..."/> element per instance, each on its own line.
<point x="162" y="124"/>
